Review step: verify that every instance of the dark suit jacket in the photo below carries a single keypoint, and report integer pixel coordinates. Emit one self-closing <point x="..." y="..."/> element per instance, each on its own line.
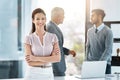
<point x="59" y="68"/>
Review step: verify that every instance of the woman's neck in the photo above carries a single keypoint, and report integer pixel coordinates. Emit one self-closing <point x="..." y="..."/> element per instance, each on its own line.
<point x="40" y="32"/>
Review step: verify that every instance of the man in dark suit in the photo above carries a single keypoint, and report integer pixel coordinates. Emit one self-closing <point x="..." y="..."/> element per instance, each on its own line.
<point x="57" y="17"/>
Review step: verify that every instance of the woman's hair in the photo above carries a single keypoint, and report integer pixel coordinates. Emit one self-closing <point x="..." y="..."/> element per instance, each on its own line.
<point x="38" y="10"/>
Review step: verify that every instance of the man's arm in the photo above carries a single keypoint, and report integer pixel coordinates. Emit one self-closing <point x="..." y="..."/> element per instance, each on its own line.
<point x="87" y="47"/>
<point x="108" y="46"/>
<point x="66" y="51"/>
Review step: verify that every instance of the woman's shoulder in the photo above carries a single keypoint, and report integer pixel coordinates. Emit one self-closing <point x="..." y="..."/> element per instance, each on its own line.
<point x="30" y="35"/>
<point x="51" y="34"/>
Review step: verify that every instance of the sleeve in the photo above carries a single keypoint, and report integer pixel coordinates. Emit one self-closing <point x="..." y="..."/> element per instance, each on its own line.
<point x="66" y="51"/>
<point x="87" y="46"/>
<point x="108" y="46"/>
<point x="55" y="38"/>
<point x="27" y="40"/>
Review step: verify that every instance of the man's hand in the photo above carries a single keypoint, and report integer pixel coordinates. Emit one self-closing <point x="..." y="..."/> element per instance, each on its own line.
<point x="72" y="52"/>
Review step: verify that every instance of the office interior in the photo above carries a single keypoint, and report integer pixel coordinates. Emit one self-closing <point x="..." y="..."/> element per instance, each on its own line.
<point x="15" y="24"/>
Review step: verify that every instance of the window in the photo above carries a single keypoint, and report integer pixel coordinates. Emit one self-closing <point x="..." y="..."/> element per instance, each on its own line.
<point x="8" y="29"/>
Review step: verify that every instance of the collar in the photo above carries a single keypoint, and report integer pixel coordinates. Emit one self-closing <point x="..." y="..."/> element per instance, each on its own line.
<point x="99" y="28"/>
<point x="38" y="36"/>
<point x="53" y="23"/>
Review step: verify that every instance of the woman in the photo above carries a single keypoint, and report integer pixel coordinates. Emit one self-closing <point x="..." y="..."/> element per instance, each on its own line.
<point x="41" y="48"/>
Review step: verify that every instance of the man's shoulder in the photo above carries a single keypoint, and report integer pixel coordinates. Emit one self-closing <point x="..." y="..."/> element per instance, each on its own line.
<point x="50" y="25"/>
<point x="90" y="29"/>
<point x="107" y="28"/>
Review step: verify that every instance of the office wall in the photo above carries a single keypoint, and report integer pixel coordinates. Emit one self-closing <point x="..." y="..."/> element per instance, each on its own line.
<point x="111" y="8"/>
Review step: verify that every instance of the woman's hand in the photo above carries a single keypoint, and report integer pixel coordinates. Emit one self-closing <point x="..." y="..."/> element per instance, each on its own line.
<point x="30" y="58"/>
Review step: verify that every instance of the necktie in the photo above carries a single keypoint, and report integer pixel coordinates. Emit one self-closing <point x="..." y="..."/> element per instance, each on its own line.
<point x="96" y="30"/>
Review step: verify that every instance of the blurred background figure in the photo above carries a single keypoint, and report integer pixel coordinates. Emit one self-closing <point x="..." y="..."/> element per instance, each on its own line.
<point x="57" y="17"/>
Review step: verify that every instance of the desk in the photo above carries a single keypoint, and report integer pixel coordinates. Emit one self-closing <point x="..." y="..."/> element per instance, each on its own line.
<point x="74" y="78"/>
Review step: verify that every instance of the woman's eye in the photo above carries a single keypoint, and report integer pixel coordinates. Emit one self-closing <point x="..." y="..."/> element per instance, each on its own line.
<point x="37" y="19"/>
<point x="43" y="18"/>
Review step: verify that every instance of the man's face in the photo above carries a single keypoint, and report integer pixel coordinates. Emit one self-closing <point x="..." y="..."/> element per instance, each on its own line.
<point x="61" y="18"/>
<point x="94" y="18"/>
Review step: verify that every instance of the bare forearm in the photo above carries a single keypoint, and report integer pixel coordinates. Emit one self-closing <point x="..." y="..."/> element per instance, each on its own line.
<point x="36" y="63"/>
<point x="55" y="58"/>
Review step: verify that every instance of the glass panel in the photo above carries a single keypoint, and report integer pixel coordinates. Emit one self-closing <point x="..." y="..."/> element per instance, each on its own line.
<point x="110" y="7"/>
<point x="116" y="31"/>
<point x="115" y="47"/>
<point x="116" y="36"/>
<point x="8" y="29"/>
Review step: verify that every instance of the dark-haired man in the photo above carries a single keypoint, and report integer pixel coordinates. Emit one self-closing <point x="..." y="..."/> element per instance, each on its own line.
<point x="99" y="40"/>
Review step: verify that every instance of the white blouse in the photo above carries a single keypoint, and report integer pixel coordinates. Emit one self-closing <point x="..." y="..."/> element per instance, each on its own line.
<point x="37" y="48"/>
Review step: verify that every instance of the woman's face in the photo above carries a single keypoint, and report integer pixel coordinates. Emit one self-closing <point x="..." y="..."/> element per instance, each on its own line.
<point x="39" y="20"/>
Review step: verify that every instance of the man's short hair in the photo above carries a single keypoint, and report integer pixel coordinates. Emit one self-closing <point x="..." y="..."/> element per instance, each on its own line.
<point x="99" y="12"/>
<point x="56" y="11"/>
